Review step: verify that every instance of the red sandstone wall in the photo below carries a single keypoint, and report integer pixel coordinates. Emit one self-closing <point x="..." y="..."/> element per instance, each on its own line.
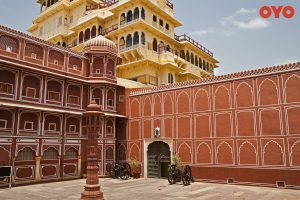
<point x="250" y="123"/>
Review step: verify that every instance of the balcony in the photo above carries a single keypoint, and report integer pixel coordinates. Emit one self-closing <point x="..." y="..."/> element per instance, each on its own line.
<point x="103" y="4"/>
<point x="185" y="38"/>
<point x="170" y="5"/>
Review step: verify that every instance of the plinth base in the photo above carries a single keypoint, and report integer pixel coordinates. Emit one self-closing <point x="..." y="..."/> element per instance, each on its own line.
<point x="92" y="192"/>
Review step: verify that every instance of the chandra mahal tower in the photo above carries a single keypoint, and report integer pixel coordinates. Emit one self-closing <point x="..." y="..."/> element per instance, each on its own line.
<point x="150" y="52"/>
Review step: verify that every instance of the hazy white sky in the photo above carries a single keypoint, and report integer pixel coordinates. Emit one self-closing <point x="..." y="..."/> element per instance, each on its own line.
<point x="232" y="29"/>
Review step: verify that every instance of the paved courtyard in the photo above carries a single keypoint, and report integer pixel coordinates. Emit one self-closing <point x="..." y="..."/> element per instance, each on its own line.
<point x="147" y="189"/>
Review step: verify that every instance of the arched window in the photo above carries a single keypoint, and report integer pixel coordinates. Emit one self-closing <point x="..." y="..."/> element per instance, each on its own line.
<point x="136" y="14"/>
<point x="25" y="154"/>
<point x="50" y="154"/>
<point x="192" y="58"/>
<point x="64" y="44"/>
<point x="168" y="48"/>
<point x="122" y="43"/>
<point x="80" y="37"/>
<point x="154" y="18"/>
<point x="128" y="41"/>
<point x="170" y="78"/>
<point x="203" y="65"/>
<point x="161" y="46"/>
<point x="109" y="154"/>
<point x="154" y="44"/>
<point x="161" y="22"/>
<point x="182" y="54"/>
<point x="143" y="13"/>
<point x="200" y="63"/>
<point x="143" y="38"/>
<point x="167" y="26"/>
<point x="188" y="56"/>
<point x="129" y="16"/>
<point x="136" y="38"/>
<point x="207" y="66"/>
<point x="94" y="32"/>
<point x="9" y="44"/>
<point x="196" y="61"/>
<point x="58" y="43"/>
<point x="87" y="34"/>
<point x="123" y="19"/>
<point x="71" y="154"/>
<point x="100" y="30"/>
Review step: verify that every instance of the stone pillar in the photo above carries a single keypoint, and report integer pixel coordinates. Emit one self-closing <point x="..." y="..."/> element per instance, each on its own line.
<point x="79" y="166"/>
<point x="58" y="167"/>
<point x="92" y="189"/>
<point x="37" y="168"/>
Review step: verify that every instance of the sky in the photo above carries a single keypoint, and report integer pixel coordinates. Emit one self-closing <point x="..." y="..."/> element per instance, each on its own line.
<point x="233" y="29"/>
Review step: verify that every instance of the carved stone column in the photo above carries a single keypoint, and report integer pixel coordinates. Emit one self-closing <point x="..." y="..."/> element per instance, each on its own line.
<point x="37" y="168"/>
<point x="92" y="123"/>
<point x="79" y="166"/>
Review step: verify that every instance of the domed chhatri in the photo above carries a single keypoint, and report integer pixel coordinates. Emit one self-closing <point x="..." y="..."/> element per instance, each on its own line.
<point x="100" y="43"/>
<point x="93" y="107"/>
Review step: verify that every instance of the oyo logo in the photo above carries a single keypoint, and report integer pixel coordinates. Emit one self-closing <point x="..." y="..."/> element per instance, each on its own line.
<point x="287" y="12"/>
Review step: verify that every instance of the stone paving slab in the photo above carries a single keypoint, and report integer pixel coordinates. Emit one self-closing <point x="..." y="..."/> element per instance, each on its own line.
<point x="148" y="189"/>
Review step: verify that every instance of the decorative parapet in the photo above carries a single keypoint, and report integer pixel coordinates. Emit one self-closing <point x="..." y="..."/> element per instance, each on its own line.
<point x="222" y="78"/>
<point x="43" y="42"/>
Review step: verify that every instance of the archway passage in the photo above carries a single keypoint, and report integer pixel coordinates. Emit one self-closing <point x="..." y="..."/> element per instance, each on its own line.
<point x="159" y="159"/>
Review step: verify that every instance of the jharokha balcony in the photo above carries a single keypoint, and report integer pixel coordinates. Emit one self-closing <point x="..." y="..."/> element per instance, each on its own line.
<point x="183" y="38"/>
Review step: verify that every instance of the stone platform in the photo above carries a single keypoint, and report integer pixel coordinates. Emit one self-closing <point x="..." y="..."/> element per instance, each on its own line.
<point x="148" y="189"/>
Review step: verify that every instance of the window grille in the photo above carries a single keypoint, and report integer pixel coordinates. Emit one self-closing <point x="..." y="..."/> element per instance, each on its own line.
<point x="73" y="100"/>
<point x="53" y="96"/>
<point x="109" y="154"/>
<point x="71" y="154"/>
<point x="6" y="88"/>
<point x="50" y="154"/>
<point x="25" y="155"/>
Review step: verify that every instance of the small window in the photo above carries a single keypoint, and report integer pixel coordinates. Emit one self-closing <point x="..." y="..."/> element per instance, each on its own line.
<point x="52" y="127"/>
<point x="167" y="27"/>
<point x="6" y="88"/>
<point x="3" y="124"/>
<point x="110" y="102"/>
<point x="110" y="73"/>
<point x="8" y="49"/>
<point x="154" y="18"/>
<point x="55" y="62"/>
<point x="73" y="100"/>
<point x="109" y="130"/>
<point x="170" y="78"/>
<point x="72" y="129"/>
<point x="161" y="22"/>
<point x="28" y="126"/>
<point x="98" y="101"/>
<point x="30" y="92"/>
<point x="121" y="98"/>
<point x="33" y="55"/>
<point x="98" y="71"/>
<point x="53" y="96"/>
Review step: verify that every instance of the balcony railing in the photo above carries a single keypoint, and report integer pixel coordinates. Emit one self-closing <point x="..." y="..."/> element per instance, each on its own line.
<point x="102" y="4"/>
<point x="111" y="29"/>
<point x="170" y="5"/>
<point x="193" y="42"/>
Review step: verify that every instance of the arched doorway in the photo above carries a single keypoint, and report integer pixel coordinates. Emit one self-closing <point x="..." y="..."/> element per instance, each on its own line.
<point x="159" y="158"/>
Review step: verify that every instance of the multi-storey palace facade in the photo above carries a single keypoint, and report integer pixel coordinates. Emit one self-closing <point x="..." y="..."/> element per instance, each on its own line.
<point x="238" y="128"/>
<point x="144" y="31"/>
<point x="44" y="89"/>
